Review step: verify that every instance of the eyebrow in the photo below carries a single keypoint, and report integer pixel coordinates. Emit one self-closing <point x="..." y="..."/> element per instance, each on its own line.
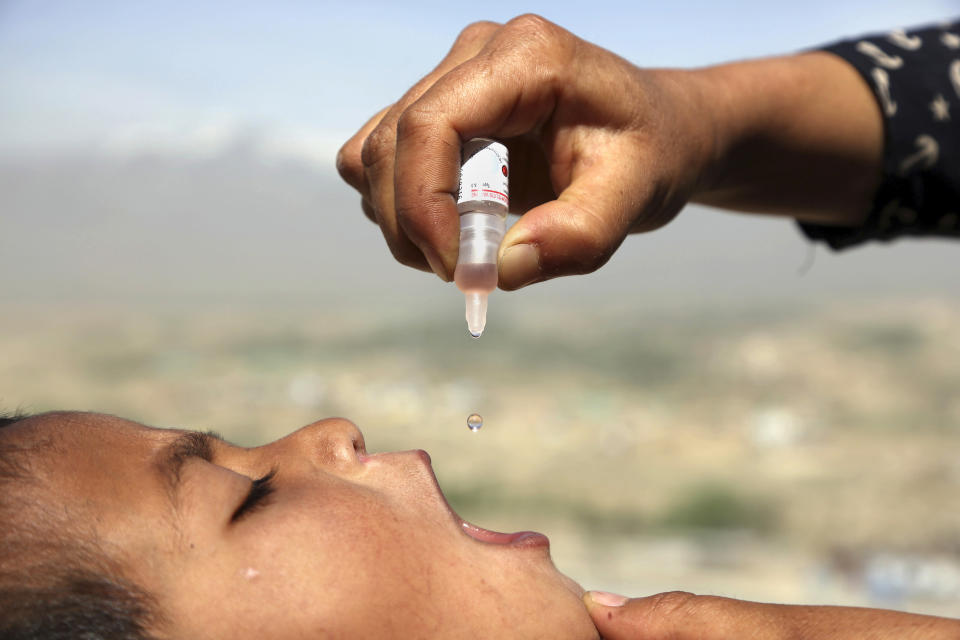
<point x="187" y="446"/>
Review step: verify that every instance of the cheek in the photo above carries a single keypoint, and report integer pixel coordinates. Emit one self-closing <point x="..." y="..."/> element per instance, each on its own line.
<point x="344" y="558"/>
<point x="355" y="564"/>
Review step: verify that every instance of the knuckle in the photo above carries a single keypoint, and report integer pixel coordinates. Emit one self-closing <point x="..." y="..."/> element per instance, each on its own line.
<point x="347" y="165"/>
<point x="536" y="27"/>
<point x="414" y="121"/>
<point x="676" y="614"/>
<point x="476" y="31"/>
<point x="592" y="248"/>
<point x="672" y="605"/>
<point x="406" y="214"/>
<point x="378" y="146"/>
<point x="414" y="216"/>
<point x="543" y="47"/>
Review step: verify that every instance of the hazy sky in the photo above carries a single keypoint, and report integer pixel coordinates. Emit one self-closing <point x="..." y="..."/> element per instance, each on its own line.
<point x="186" y="75"/>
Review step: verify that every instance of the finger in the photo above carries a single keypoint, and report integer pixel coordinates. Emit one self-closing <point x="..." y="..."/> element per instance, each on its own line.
<point x="506" y="90"/>
<point x="685" y="616"/>
<point x="350" y="167"/>
<point x="368" y="210"/>
<point x="349" y="164"/>
<point x="675" y="615"/>
<point x="378" y="149"/>
<point x="579" y="231"/>
<point x="377" y="166"/>
<point x="467" y="44"/>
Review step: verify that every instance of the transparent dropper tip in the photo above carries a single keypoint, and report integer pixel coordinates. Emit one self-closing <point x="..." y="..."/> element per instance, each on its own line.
<point x="476" y="313"/>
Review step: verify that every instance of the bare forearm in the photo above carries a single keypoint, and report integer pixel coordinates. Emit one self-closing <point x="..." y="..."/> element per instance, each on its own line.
<point x="799" y="135"/>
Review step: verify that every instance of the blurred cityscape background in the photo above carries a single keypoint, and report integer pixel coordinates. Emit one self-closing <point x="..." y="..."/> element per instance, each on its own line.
<point x="722" y="408"/>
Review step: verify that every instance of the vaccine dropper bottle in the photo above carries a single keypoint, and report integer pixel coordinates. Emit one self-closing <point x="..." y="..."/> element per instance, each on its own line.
<point x="482" y="202"/>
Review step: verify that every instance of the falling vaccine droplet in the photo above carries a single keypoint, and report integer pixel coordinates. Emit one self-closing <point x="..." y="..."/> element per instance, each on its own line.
<point x="474" y="421"/>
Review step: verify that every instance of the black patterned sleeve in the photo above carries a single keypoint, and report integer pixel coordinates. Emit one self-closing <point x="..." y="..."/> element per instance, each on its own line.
<point x="915" y="76"/>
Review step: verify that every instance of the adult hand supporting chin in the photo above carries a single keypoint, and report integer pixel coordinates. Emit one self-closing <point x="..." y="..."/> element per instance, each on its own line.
<point x="679" y="615"/>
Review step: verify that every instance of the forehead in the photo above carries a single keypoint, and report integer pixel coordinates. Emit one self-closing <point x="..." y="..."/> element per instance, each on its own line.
<point x="90" y="465"/>
<point x="79" y="434"/>
<point x="98" y="458"/>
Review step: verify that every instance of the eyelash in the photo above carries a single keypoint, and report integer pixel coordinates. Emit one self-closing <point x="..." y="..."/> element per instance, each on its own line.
<point x="260" y="491"/>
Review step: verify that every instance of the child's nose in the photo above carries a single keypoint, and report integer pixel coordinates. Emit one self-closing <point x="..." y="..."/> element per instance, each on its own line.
<point x="331" y="442"/>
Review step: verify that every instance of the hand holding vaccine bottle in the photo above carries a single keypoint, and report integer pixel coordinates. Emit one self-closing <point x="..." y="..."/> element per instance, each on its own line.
<point x="601" y="148"/>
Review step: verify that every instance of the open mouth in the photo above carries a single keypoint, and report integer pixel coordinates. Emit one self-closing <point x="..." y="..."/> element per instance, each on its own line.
<point x="518" y="540"/>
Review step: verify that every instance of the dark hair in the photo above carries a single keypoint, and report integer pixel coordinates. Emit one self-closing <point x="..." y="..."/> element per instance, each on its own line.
<point x="52" y="586"/>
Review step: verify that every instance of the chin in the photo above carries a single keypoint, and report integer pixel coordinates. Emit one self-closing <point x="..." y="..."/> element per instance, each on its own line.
<point x="572" y="585"/>
<point x="567" y="596"/>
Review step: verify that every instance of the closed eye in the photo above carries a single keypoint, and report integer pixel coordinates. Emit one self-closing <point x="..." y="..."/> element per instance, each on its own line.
<point x="260" y="491"/>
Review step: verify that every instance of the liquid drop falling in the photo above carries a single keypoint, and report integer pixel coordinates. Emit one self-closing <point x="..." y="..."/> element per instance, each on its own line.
<point x="474" y="422"/>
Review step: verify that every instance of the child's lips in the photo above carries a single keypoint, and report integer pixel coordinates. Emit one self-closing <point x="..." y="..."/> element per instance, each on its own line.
<point x="518" y="539"/>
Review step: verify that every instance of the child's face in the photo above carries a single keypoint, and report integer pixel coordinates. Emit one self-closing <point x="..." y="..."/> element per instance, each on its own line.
<point x="346" y="546"/>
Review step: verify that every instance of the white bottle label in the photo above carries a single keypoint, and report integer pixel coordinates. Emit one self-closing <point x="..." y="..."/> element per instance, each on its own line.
<point x="484" y="172"/>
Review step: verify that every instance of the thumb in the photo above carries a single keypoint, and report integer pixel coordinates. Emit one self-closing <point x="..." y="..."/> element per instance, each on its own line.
<point x="574" y="234"/>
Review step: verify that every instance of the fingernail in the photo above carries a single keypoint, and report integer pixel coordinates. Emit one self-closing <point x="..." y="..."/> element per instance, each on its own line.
<point x="607" y="599"/>
<point x="520" y="266"/>
<point x="433" y="259"/>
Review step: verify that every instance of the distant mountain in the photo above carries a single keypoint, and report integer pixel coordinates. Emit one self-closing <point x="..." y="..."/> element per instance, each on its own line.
<point x="236" y="225"/>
